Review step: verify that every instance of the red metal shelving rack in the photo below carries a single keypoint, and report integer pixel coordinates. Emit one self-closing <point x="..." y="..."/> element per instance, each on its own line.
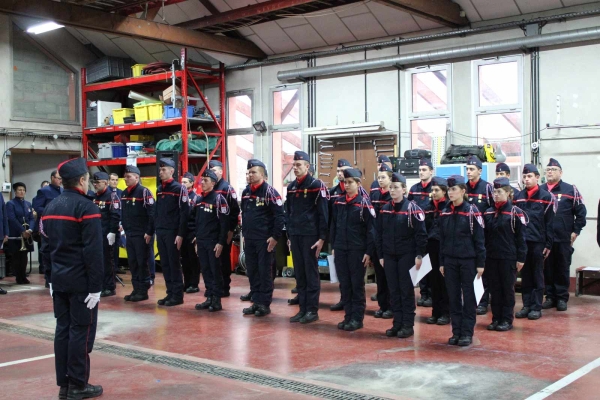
<point x="191" y="75"/>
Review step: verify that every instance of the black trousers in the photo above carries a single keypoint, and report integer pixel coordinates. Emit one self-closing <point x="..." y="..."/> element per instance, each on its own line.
<point x="383" y="290"/>
<point x="259" y="269"/>
<point x="211" y="268"/>
<point x="402" y="291"/>
<point x="557" y="271"/>
<point x="425" y="287"/>
<point x="170" y="263"/>
<point x="108" y="283"/>
<point x="74" y="338"/>
<point x="137" y="258"/>
<point x="225" y="265"/>
<point x="190" y="264"/>
<point x="306" y="269"/>
<point x="501" y="276"/>
<point x="351" y="274"/>
<point x="439" y="294"/>
<point x="460" y="274"/>
<point x="532" y="276"/>
<point x="18" y="264"/>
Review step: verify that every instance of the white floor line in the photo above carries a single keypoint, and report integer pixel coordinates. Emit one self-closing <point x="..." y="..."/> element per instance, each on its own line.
<point x="25" y="360"/>
<point x="567" y="380"/>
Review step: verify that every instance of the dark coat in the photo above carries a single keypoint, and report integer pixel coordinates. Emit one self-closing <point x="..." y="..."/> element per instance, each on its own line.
<point x="540" y="210"/>
<point x="306" y="208"/>
<point x="262" y="213"/>
<point x="461" y="234"/>
<point x="570" y="213"/>
<point x="3" y="219"/>
<point x="172" y="208"/>
<point x="212" y="224"/>
<point x="137" y="207"/>
<point x="481" y="195"/>
<point x="228" y="192"/>
<point x="110" y="207"/>
<point x="18" y="211"/>
<point x="352" y="225"/>
<point x="400" y="231"/>
<point x="44" y="196"/>
<point x="505" y="233"/>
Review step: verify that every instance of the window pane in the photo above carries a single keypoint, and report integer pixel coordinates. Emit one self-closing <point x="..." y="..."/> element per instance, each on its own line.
<point x="284" y="146"/>
<point x="239" y="112"/>
<point x="424" y="130"/>
<point x="499" y="84"/>
<point x="430" y="91"/>
<point x="503" y="132"/>
<point x="240" y="149"/>
<point x="286" y="107"/>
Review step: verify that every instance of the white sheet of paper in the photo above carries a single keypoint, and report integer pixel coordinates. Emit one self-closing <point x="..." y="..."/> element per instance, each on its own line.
<point x="478" y="286"/>
<point x="415" y="275"/>
<point x="591" y="269"/>
<point x="332" y="273"/>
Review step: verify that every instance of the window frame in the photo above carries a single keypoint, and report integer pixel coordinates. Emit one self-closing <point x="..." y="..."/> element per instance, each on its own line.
<point x="284" y="127"/>
<point x="235" y="93"/>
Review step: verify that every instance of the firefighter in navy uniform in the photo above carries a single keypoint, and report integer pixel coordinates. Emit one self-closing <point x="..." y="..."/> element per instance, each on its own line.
<point x="228" y="192"/>
<point x="462" y="257"/>
<point x="71" y="231"/>
<point x="382" y="159"/>
<point x="481" y="195"/>
<point x="568" y="223"/>
<point x="170" y="216"/>
<point x="307" y="214"/>
<point x="137" y="206"/>
<point x="505" y="253"/>
<point x="210" y="211"/>
<point x="189" y="258"/>
<point x="539" y="205"/>
<point x="336" y="192"/>
<point x="420" y="193"/>
<point x="262" y="226"/>
<point x="503" y="171"/>
<point x="109" y="204"/>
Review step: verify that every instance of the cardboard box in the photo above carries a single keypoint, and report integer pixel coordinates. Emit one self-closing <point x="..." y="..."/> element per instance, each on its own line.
<point x="166" y="96"/>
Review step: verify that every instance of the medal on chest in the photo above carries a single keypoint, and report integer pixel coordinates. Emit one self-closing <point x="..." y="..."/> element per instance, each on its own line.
<point x="558" y="196"/>
<point x="480" y="197"/>
<point x="305" y="191"/>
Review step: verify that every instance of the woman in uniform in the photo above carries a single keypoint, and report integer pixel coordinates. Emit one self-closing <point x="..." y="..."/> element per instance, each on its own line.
<point x="20" y="225"/>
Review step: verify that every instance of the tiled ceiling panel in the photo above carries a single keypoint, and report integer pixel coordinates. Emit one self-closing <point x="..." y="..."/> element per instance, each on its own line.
<point x="392" y="20"/>
<point x="275" y="37"/>
<point x="171" y="15"/>
<point x="364" y="26"/>
<point x="193" y="9"/>
<point x="349" y="10"/>
<point x="568" y="3"/>
<point x="151" y="46"/>
<point x="104" y="44"/>
<point x="469" y="9"/>
<point x="490" y="9"/>
<point x="239" y="3"/>
<point x="291" y="21"/>
<point x="426" y="24"/>
<point x="134" y="50"/>
<point x="332" y="29"/>
<point x="530" y="6"/>
<point x="305" y="37"/>
<point x="261" y="44"/>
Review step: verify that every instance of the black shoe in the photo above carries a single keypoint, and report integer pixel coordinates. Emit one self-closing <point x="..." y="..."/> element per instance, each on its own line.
<point x="130" y="295"/>
<point x="387" y="314"/>
<point x="353" y="325"/>
<point x="173" y="302"/>
<point x="342" y="324"/>
<point x="533" y="315"/>
<point x="294" y="301"/>
<point x="295" y="290"/>
<point x="420" y="301"/>
<point x="108" y="293"/>
<point x="337" y="307"/>
<point x="378" y="313"/>
<point x="139" y="296"/>
<point x="120" y="271"/>
<point x="162" y="302"/>
<point x="443" y="320"/>
<point x="428" y="302"/>
<point x="561" y="305"/>
<point x="392" y="332"/>
<point x="2" y="291"/>
<point x="406" y="332"/>
<point x="465" y="340"/>
<point x="549" y="303"/>
<point x="250" y="310"/>
<point x="453" y="341"/>
<point x="297" y="317"/>
<point x="374" y="297"/>
<point x="504" y="326"/>
<point x="192" y="290"/>
<point x="482" y="310"/>
<point x="215" y="305"/>
<point x="309" y="317"/>
<point x="246" y="297"/>
<point x="262" y="310"/>
<point x="62" y="393"/>
<point x="205" y="305"/>
<point x="87" y="392"/>
<point x="492" y="326"/>
<point x="431" y="320"/>
<point x="523" y="313"/>
<point x="226" y="294"/>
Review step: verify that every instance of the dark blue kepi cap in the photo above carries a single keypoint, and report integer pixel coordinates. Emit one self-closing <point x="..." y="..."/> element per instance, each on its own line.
<point x="352" y="173"/>
<point x="454" y="180"/>
<point x="190" y="176"/>
<point x="398" y="178"/>
<point x="132" y="169"/>
<point x="300" y="155"/>
<point x="385" y="168"/>
<point x="502" y="167"/>
<point x="554" y="163"/>
<point x="100" y="176"/>
<point x="439" y="181"/>
<point x="342" y="162"/>
<point x="215" y="163"/>
<point x="255" y="163"/>
<point x="474" y="160"/>
<point x="383" y="158"/>
<point x="530" y="169"/>
<point x="167" y="162"/>
<point x="426" y="162"/>
<point x="501" y="182"/>
<point x="72" y="168"/>
<point x="210" y="174"/>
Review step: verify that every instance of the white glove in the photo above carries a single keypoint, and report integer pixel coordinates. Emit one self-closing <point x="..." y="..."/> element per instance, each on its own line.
<point x="51" y="290"/>
<point x="92" y="300"/>
<point x="111" y="238"/>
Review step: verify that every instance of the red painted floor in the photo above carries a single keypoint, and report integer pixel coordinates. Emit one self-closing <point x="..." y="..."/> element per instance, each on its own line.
<point x="514" y="364"/>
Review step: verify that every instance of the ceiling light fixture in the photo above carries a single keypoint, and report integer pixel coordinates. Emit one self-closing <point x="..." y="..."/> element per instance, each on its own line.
<point x="45" y="27"/>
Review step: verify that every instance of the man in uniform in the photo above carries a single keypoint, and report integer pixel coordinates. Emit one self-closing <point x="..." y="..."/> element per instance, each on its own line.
<point x="503" y="171"/>
<point x="262" y="226"/>
<point x="481" y="194"/>
<point x="137" y="206"/>
<point x="306" y="211"/>
<point x="109" y="204"/>
<point x="568" y="223"/>
<point x="228" y="192"/>
<point x="71" y="231"/>
<point x="189" y="258"/>
<point x="170" y="216"/>
<point x="113" y="182"/>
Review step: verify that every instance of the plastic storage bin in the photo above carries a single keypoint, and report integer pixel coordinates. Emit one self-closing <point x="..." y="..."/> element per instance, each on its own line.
<point x="119" y="150"/>
<point x="172" y="112"/>
<point x="108" y="68"/>
<point x="148" y="112"/>
<point x="137" y="69"/>
<point x="120" y="113"/>
<point x="107" y="151"/>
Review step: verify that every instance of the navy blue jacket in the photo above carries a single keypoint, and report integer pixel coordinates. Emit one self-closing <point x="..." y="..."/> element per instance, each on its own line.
<point x="461" y="235"/>
<point x="539" y="208"/>
<point x="110" y="208"/>
<point x="481" y="195"/>
<point x="137" y="207"/>
<point x="571" y="211"/>
<point x="379" y="198"/>
<point x="3" y="219"/>
<point x="71" y="233"/>
<point x="228" y="192"/>
<point x="44" y="196"/>
<point x="505" y="233"/>
<point x="399" y="231"/>
<point x="374" y="186"/>
<point x="432" y="213"/>
<point x="191" y="224"/>
<point x="211" y="219"/>
<point x="17" y="212"/>
<point x="306" y="208"/>
<point x="262" y="213"/>
<point x="353" y="225"/>
<point x="424" y="199"/>
<point x="172" y="208"/>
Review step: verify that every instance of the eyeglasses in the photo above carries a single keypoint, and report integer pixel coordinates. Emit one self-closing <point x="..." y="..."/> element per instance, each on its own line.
<point x="552" y="169"/>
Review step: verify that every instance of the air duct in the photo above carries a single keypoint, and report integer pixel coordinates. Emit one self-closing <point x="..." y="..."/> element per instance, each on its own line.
<point x="427" y="57"/>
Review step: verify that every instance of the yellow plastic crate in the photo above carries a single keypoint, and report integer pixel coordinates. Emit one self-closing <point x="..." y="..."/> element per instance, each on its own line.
<point x="141" y="138"/>
<point x="120" y="113"/>
<point x="141" y="113"/>
<point x="137" y="69"/>
<point x="155" y="111"/>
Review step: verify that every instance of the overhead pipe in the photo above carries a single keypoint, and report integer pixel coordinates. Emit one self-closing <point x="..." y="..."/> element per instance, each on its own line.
<point x="427" y="57"/>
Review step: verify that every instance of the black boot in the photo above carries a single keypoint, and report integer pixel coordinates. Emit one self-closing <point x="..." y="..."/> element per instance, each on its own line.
<point x="549" y="303"/>
<point x="392" y="332"/>
<point x="206" y="305"/>
<point x="173" y="302"/>
<point x="129" y="296"/>
<point x="162" y="302"/>
<point x="297" y="317"/>
<point x="108" y="293"/>
<point x="62" y="393"/>
<point x="432" y="320"/>
<point x="492" y="326"/>
<point x="443" y="320"/>
<point x="86" y="392"/>
<point x="523" y="313"/>
<point x="294" y="301"/>
<point x="139" y="296"/>
<point x="337" y="307"/>
<point x="465" y="340"/>
<point x="453" y="341"/>
<point x="309" y="317"/>
<point x="216" y="304"/>
<point x="406" y="332"/>
<point x="246" y="297"/>
<point x="250" y="310"/>
<point x="262" y="310"/>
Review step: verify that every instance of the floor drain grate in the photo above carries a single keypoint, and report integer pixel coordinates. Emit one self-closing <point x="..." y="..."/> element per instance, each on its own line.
<point x="223" y="372"/>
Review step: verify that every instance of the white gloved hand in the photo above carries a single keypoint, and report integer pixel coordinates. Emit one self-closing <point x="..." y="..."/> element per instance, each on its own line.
<point x="51" y="290"/>
<point x="111" y="238"/>
<point x="92" y="300"/>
